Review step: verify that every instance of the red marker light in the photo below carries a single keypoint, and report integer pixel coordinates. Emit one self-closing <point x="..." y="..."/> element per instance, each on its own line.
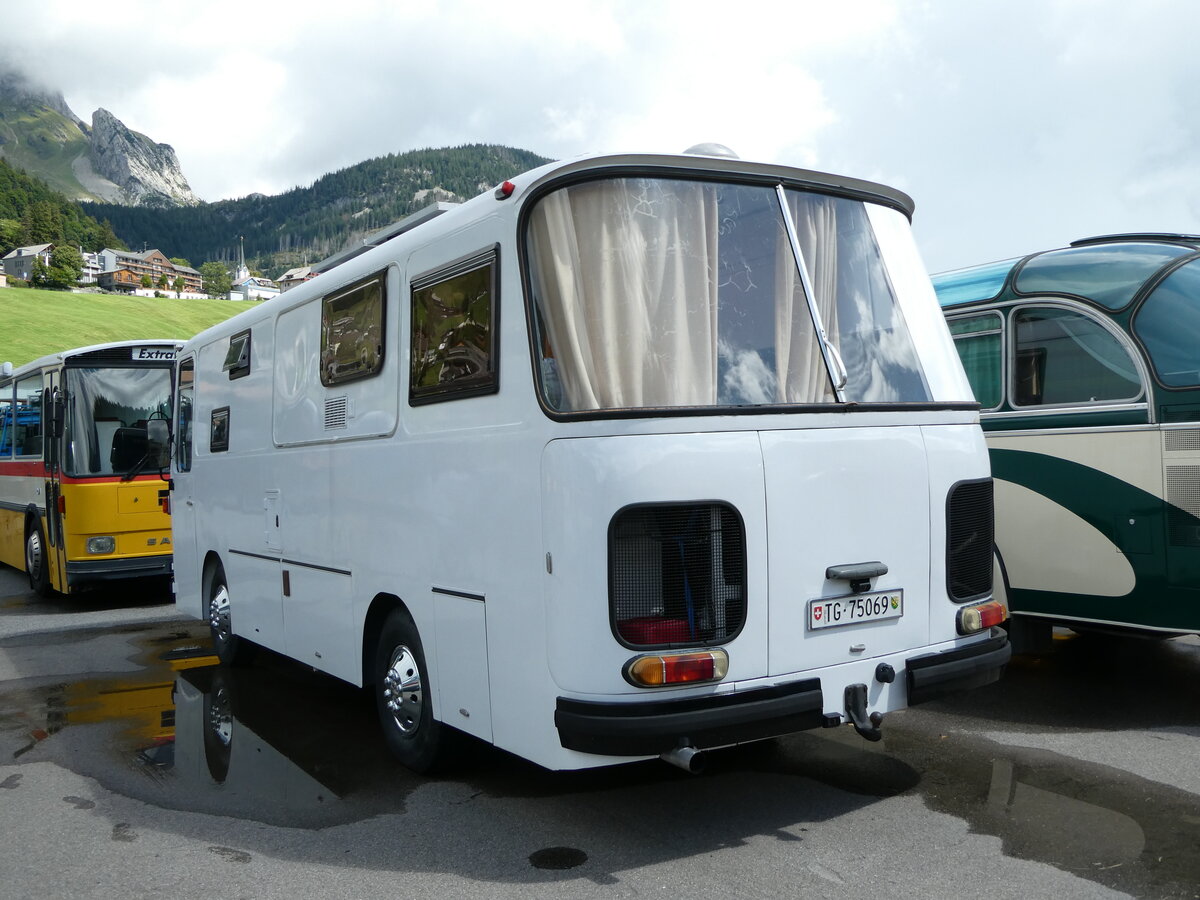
<point x="505" y="190"/>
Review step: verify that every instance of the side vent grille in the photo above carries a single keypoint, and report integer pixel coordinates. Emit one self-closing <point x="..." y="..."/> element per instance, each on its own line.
<point x="1181" y="439"/>
<point x="1183" y="510"/>
<point x="677" y="574"/>
<point x="969" y="535"/>
<point x="337" y="412"/>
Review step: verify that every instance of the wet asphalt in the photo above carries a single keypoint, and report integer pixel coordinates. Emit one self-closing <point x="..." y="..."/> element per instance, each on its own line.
<point x="1075" y="775"/>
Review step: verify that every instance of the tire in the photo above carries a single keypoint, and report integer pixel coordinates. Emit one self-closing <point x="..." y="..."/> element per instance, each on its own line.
<point x="230" y="649"/>
<point x="404" y="700"/>
<point x="37" y="565"/>
<point x="218" y="727"/>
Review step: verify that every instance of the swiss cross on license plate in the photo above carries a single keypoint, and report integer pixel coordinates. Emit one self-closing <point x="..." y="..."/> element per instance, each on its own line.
<point x="833" y="612"/>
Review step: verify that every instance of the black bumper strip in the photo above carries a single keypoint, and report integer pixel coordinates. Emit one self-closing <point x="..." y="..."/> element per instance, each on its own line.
<point x="645" y="728"/>
<point x="106" y="569"/>
<point x="960" y="669"/>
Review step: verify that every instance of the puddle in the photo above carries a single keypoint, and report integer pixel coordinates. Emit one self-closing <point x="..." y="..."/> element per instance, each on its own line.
<point x="279" y="744"/>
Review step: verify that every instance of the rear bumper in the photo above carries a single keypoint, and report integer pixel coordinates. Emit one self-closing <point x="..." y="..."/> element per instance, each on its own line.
<point x="81" y="572"/>
<point x="643" y="729"/>
<point x="963" y="668"/>
<point x="718" y="720"/>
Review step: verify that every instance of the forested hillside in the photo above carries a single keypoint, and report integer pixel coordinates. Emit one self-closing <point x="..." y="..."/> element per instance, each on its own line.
<point x="315" y="221"/>
<point x="33" y="213"/>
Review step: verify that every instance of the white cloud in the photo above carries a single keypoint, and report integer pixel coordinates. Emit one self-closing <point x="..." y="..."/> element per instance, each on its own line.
<point x="1015" y="125"/>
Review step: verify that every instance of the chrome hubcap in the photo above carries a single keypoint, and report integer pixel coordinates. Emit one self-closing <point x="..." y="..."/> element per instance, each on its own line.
<point x="33" y="555"/>
<point x="218" y="615"/>
<point x="403" y="693"/>
<point x="221" y="723"/>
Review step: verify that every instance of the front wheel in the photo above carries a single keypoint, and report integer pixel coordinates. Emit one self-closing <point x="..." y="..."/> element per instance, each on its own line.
<point x="403" y="698"/>
<point x="230" y="649"/>
<point x="37" y="563"/>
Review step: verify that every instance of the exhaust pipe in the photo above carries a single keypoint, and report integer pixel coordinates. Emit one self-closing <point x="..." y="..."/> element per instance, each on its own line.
<point x="686" y="757"/>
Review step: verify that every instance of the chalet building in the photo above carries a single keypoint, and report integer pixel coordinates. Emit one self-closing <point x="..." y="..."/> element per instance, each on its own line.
<point x="293" y="277"/>
<point x="19" y="262"/>
<point x="123" y="271"/>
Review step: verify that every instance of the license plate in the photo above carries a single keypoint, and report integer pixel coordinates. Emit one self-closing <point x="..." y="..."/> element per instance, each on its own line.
<point x="833" y="612"/>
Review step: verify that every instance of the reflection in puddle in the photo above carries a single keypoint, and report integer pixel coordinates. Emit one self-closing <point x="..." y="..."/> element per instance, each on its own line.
<point x="279" y="744"/>
<point x="1081" y="834"/>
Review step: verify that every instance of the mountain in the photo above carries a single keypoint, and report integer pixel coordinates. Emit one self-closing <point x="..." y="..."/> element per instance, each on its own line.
<point x="105" y="161"/>
<point x="315" y="221"/>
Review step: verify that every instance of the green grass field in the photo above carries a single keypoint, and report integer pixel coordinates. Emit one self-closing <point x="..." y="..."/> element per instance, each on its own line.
<point x="34" y="323"/>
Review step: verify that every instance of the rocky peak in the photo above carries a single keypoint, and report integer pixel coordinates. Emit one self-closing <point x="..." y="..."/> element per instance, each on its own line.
<point x="147" y="174"/>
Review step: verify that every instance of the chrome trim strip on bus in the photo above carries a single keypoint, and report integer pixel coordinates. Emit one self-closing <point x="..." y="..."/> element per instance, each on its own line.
<point x="1110" y="623"/>
<point x="283" y="560"/>
<point x="1043" y="411"/>
<point x="453" y="593"/>
<point x="1081" y="429"/>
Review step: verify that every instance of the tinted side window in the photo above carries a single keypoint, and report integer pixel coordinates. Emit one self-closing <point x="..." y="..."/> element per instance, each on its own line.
<point x="1061" y="356"/>
<point x="454" y="331"/>
<point x="183" y="413"/>
<point x="977" y="339"/>
<point x="27" y="427"/>
<point x="1168" y="323"/>
<point x="352" y="332"/>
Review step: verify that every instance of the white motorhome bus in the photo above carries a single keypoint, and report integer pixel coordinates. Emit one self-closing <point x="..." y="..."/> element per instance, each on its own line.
<point x="636" y="455"/>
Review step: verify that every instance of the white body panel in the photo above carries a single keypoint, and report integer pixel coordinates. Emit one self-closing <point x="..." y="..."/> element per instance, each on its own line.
<point x="488" y="520"/>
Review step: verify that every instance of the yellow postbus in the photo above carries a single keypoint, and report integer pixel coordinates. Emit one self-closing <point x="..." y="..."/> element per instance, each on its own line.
<point x="82" y="438"/>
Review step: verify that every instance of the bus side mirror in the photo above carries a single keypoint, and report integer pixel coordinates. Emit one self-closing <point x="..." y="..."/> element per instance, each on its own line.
<point x="158" y="443"/>
<point x="57" y="414"/>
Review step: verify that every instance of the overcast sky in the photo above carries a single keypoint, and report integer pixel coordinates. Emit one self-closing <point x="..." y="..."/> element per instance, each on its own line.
<point x="1016" y="125"/>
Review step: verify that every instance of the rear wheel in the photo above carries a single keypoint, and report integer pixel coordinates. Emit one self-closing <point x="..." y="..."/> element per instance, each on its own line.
<point x="36" y="560"/>
<point x="403" y="698"/>
<point x="230" y="649"/>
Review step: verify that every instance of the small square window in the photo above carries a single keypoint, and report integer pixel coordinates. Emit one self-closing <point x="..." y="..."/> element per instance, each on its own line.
<point x="237" y="357"/>
<point x="219" y="433"/>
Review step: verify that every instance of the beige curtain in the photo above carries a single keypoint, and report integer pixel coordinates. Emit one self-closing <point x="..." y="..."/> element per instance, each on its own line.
<point x="625" y="275"/>
<point x="800" y="368"/>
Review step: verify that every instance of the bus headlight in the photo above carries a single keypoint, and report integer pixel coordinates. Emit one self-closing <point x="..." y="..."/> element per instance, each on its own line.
<point x="658" y="669"/>
<point x="99" y="545"/>
<point x="980" y="616"/>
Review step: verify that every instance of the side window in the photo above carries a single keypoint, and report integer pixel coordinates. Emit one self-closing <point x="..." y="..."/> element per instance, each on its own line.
<point x="218" y="434"/>
<point x="27" y="417"/>
<point x="6" y="423"/>
<point x="352" y="332"/>
<point x="1168" y="323"/>
<point x="977" y="339"/>
<point x="237" y="357"/>
<point x="1061" y="356"/>
<point x="454" y="331"/>
<point x="183" y="415"/>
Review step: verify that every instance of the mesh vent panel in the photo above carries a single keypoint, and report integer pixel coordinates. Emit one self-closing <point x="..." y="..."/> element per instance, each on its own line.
<point x="969" y="535"/>
<point x="1182" y="439"/>
<point x="1183" y="497"/>
<point x="677" y="574"/>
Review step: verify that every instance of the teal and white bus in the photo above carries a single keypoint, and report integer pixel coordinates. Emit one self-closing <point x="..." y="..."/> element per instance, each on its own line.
<point x="1086" y="364"/>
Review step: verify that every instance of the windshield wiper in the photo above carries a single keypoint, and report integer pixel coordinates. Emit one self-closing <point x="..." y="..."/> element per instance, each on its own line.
<point x="137" y="468"/>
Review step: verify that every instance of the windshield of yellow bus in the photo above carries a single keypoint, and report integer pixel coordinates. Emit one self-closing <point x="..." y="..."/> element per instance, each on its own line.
<point x="107" y="409"/>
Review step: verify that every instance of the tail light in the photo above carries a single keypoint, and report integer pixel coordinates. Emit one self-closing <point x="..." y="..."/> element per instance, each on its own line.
<point x="677" y="668"/>
<point x="981" y="616"/>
